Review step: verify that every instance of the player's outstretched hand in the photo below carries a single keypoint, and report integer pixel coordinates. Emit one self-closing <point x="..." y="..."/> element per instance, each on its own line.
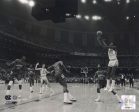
<point x="37" y="63"/>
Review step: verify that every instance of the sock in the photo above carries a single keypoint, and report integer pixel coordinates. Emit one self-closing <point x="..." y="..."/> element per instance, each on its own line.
<point x="40" y="89"/>
<point x="98" y="97"/>
<point x="108" y="83"/>
<point x="20" y="87"/>
<point x="65" y="96"/>
<point x="31" y="89"/>
<point x="119" y="99"/>
<point x="113" y="84"/>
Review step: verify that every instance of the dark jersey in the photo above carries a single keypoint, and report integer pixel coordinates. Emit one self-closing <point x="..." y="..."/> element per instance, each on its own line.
<point x="131" y="78"/>
<point x="58" y="68"/>
<point x="100" y="74"/>
<point x="31" y="72"/>
<point x="18" y="64"/>
<point x="18" y="68"/>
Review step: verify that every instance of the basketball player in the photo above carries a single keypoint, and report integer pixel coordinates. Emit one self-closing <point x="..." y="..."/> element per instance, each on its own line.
<point x="59" y="70"/>
<point x="43" y="76"/>
<point x="17" y="72"/>
<point x="31" y="74"/>
<point x="131" y="80"/>
<point x="113" y="61"/>
<point x="123" y="80"/>
<point x="100" y="76"/>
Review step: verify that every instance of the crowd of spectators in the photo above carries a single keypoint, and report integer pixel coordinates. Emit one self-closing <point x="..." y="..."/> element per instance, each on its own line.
<point x="75" y="76"/>
<point x="74" y="63"/>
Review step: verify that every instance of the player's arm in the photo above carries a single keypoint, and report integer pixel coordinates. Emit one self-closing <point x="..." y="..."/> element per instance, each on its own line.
<point x="36" y="67"/>
<point x="102" y="41"/>
<point x="64" y="67"/>
<point x="47" y="72"/>
<point x="133" y="77"/>
<point x="115" y="52"/>
<point x="13" y="62"/>
<point x="95" y="75"/>
<point x="50" y="69"/>
<point x="25" y="66"/>
<point x="104" y="44"/>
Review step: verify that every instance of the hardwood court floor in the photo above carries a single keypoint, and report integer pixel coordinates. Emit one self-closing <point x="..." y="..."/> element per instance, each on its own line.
<point x="85" y="94"/>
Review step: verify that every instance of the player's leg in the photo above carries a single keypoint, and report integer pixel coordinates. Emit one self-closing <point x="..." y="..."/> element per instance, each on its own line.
<point x="44" y="84"/>
<point x="48" y="87"/>
<point x="31" y="81"/>
<point x="37" y="79"/>
<point x="65" y="91"/>
<point x="113" y="70"/>
<point x="132" y="83"/>
<point x="47" y="84"/>
<point x="98" y="92"/>
<point x="121" y="82"/>
<point x="20" y="86"/>
<point x="66" y="94"/>
<point x="71" y="98"/>
<point x="124" y="82"/>
<point x="108" y="78"/>
<point x="63" y="82"/>
<point x="19" y="76"/>
<point x="41" y="86"/>
<point x="112" y="74"/>
<point x="117" y="96"/>
<point x="8" y="97"/>
<point x="8" y="91"/>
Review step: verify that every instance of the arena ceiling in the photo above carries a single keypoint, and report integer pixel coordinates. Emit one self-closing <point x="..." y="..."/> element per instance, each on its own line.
<point x="116" y="15"/>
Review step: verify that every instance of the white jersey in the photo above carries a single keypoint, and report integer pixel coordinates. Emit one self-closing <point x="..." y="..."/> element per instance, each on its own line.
<point x="113" y="61"/>
<point x="43" y="72"/>
<point x="122" y="77"/>
<point x="112" y="54"/>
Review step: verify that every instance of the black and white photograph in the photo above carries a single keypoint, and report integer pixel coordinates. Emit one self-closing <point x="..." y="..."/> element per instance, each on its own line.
<point x="69" y="55"/>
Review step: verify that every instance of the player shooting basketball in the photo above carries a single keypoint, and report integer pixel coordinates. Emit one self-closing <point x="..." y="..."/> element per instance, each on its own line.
<point x="113" y="61"/>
